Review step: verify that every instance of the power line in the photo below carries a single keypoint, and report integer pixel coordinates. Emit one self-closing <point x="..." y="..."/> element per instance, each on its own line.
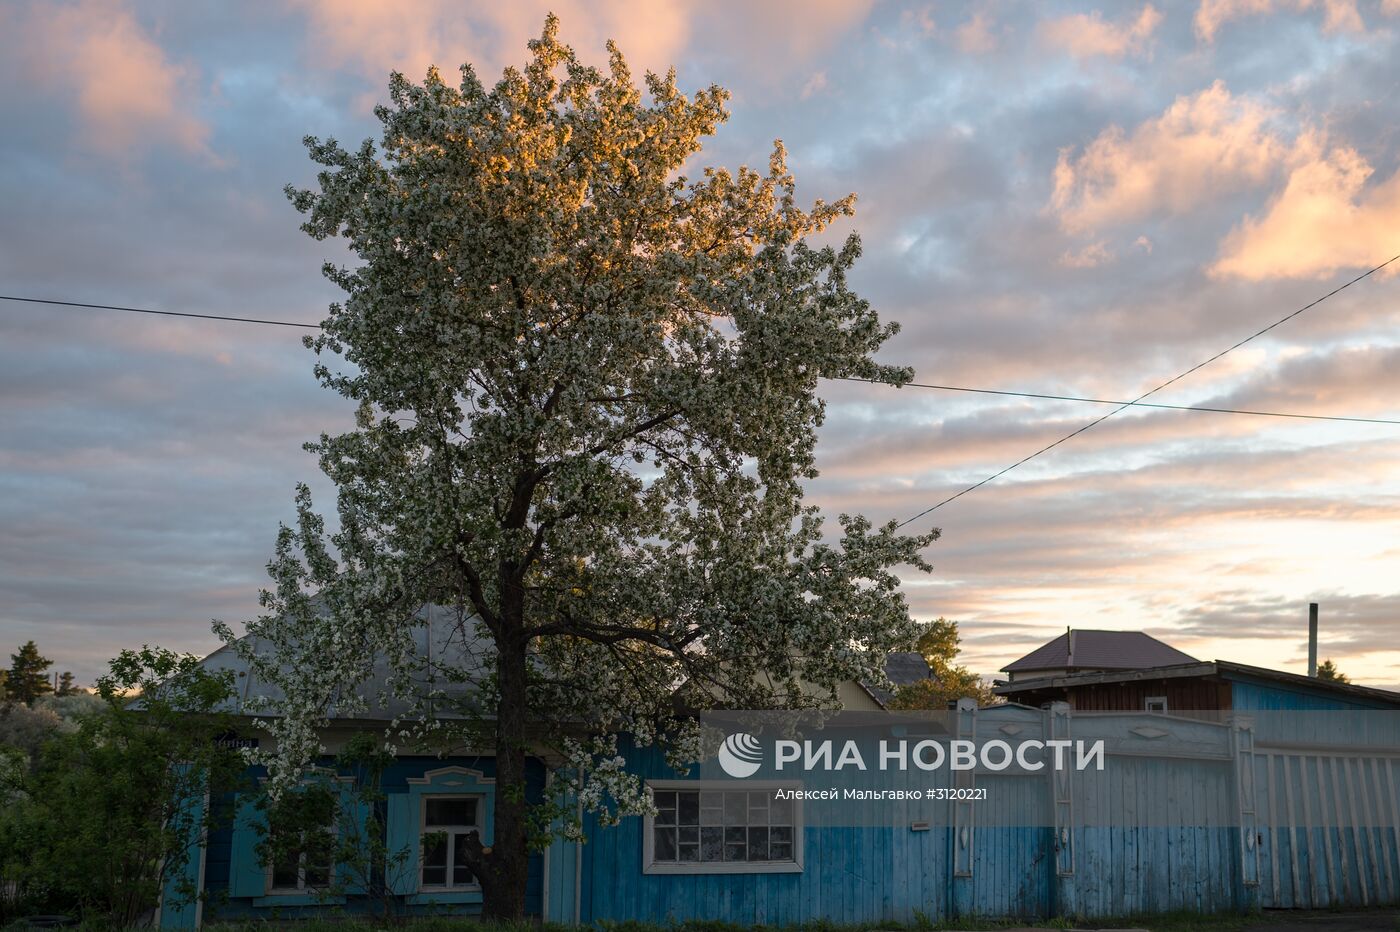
<point x="146" y="310"/>
<point x="1176" y="378"/>
<point x="1136" y="404"/>
<point x="946" y="388"/>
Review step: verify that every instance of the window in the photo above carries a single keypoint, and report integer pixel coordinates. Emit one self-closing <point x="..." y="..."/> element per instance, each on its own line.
<point x="716" y="828"/>
<point x="1156" y="704"/>
<point x="448" y="821"/>
<point x="301" y="859"/>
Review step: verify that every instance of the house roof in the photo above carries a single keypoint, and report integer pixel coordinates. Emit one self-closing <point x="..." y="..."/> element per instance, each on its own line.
<point x="1090" y="649"/>
<point x="902" y="667"/>
<point x="1224" y="668"/>
<point x="445" y="640"/>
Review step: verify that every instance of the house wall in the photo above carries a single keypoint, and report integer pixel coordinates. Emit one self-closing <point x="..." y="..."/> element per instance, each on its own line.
<point x="233" y="875"/>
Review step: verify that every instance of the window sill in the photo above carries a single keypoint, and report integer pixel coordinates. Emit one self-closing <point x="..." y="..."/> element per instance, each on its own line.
<point x="725" y="867"/>
<point x="298" y="899"/>
<point x="443" y="897"/>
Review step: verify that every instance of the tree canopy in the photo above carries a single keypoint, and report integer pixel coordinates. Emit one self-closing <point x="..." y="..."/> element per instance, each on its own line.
<point x="28" y="678"/>
<point x="586" y="376"/>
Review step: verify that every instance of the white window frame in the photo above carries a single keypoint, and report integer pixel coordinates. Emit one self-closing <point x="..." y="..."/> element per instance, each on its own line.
<point x="302" y="887"/>
<point x="1151" y="701"/>
<point x="269" y="869"/>
<point x="423" y="831"/>
<point x="651" y="866"/>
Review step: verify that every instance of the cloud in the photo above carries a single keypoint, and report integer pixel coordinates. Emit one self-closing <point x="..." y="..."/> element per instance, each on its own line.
<point x="815" y="85"/>
<point x="977" y="35"/>
<point x="1326" y="218"/>
<point x="376" y="37"/>
<point x="1086" y="35"/>
<point x="1204" y="145"/>
<point x="1091" y="256"/>
<point x="1338" y="15"/>
<point x="129" y="94"/>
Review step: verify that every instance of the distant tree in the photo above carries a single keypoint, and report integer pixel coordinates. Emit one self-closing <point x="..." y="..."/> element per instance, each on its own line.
<point x="28" y="679"/>
<point x="28" y="728"/>
<point x="949" y="682"/>
<point x="4" y="685"/>
<point x="1327" y="670"/>
<point x="66" y="686"/>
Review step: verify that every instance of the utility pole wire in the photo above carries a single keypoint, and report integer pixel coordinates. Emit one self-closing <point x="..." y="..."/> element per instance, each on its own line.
<point x="1135" y="404"/>
<point x="146" y="310"/>
<point x="1176" y="378"/>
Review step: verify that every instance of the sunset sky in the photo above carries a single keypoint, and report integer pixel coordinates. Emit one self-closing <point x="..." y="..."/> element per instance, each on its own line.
<point x="1053" y="198"/>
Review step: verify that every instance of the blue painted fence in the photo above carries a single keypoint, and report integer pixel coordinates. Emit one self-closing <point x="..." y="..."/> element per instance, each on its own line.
<point x="1187" y="815"/>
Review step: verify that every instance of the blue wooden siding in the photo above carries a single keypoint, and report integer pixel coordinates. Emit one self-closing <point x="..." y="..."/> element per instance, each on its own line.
<point x="235" y="879"/>
<point x="1293" y="805"/>
<point x="1158" y="830"/>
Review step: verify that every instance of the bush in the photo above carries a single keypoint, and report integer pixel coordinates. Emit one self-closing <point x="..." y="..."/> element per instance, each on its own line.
<point x="108" y="806"/>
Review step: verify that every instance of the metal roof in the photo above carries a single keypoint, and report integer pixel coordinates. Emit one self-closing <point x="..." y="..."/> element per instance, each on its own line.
<point x="902" y="667"/>
<point x="1195" y="668"/>
<point x="445" y="639"/>
<point x="1089" y="649"/>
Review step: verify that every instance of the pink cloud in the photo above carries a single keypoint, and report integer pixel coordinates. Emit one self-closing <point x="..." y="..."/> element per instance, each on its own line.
<point x="374" y="37"/>
<point x="1086" y="35"/>
<point x="1326" y="218"/>
<point x="1338" y="15"/>
<point x="1204" y="145"/>
<point x="977" y="35"/>
<point x="127" y="90"/>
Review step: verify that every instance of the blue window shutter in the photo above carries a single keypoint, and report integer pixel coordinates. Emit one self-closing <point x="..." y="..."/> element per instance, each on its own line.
<point x="401" y="869"/>
<point x="247" y="875"/>
<point x="356" y="821"/>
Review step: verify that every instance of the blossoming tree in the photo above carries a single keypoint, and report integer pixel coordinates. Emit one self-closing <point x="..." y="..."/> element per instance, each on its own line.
<point x="586" y="380"/>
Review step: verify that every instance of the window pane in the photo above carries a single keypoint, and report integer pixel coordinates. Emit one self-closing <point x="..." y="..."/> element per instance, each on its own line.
<point x="317" y="875"/>
<point x="442" y="812"/>
<point x="689" y="835"/>
<point x="690" y="852"/>
<point x="780" y="844"/>
<point x="285" y="875"/>
<point x="435" y="850"/>
<point x="780" y="812"/>
<point x="758" y="808"/>
<point x="665" y="799"/>
<point x="688" y="808"/>
<point x="735" y="843"/>
<point x="735" y="808"/>
<point x="461" y="874"/>
<point x="664" y="844"/>
<point x="758" y="844"/>
<point x="434" y="876"/>
<point x="712" y="844"/>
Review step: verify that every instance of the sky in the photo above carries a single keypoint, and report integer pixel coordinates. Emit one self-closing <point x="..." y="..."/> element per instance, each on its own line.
<point x="1055" y="198"/>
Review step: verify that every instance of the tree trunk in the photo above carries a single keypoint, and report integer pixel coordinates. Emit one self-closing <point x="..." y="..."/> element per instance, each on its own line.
<point x="504" y="896"/>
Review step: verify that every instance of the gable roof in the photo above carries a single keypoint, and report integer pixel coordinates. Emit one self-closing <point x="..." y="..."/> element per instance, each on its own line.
<point x="1225" y="669"/>
<point x="902" y="667"/>
<point x="1090" y="649"/>
<point x="444" y="639"/>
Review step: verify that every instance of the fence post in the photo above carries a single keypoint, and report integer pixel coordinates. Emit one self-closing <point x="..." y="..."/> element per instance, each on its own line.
<point x="1058" y="720"/>
<point x="1242" y="749"/>
<point x="961" y="898"/>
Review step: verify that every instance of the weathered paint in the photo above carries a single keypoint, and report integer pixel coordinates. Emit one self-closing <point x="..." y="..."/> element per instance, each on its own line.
<point x="1189" y="814"/>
